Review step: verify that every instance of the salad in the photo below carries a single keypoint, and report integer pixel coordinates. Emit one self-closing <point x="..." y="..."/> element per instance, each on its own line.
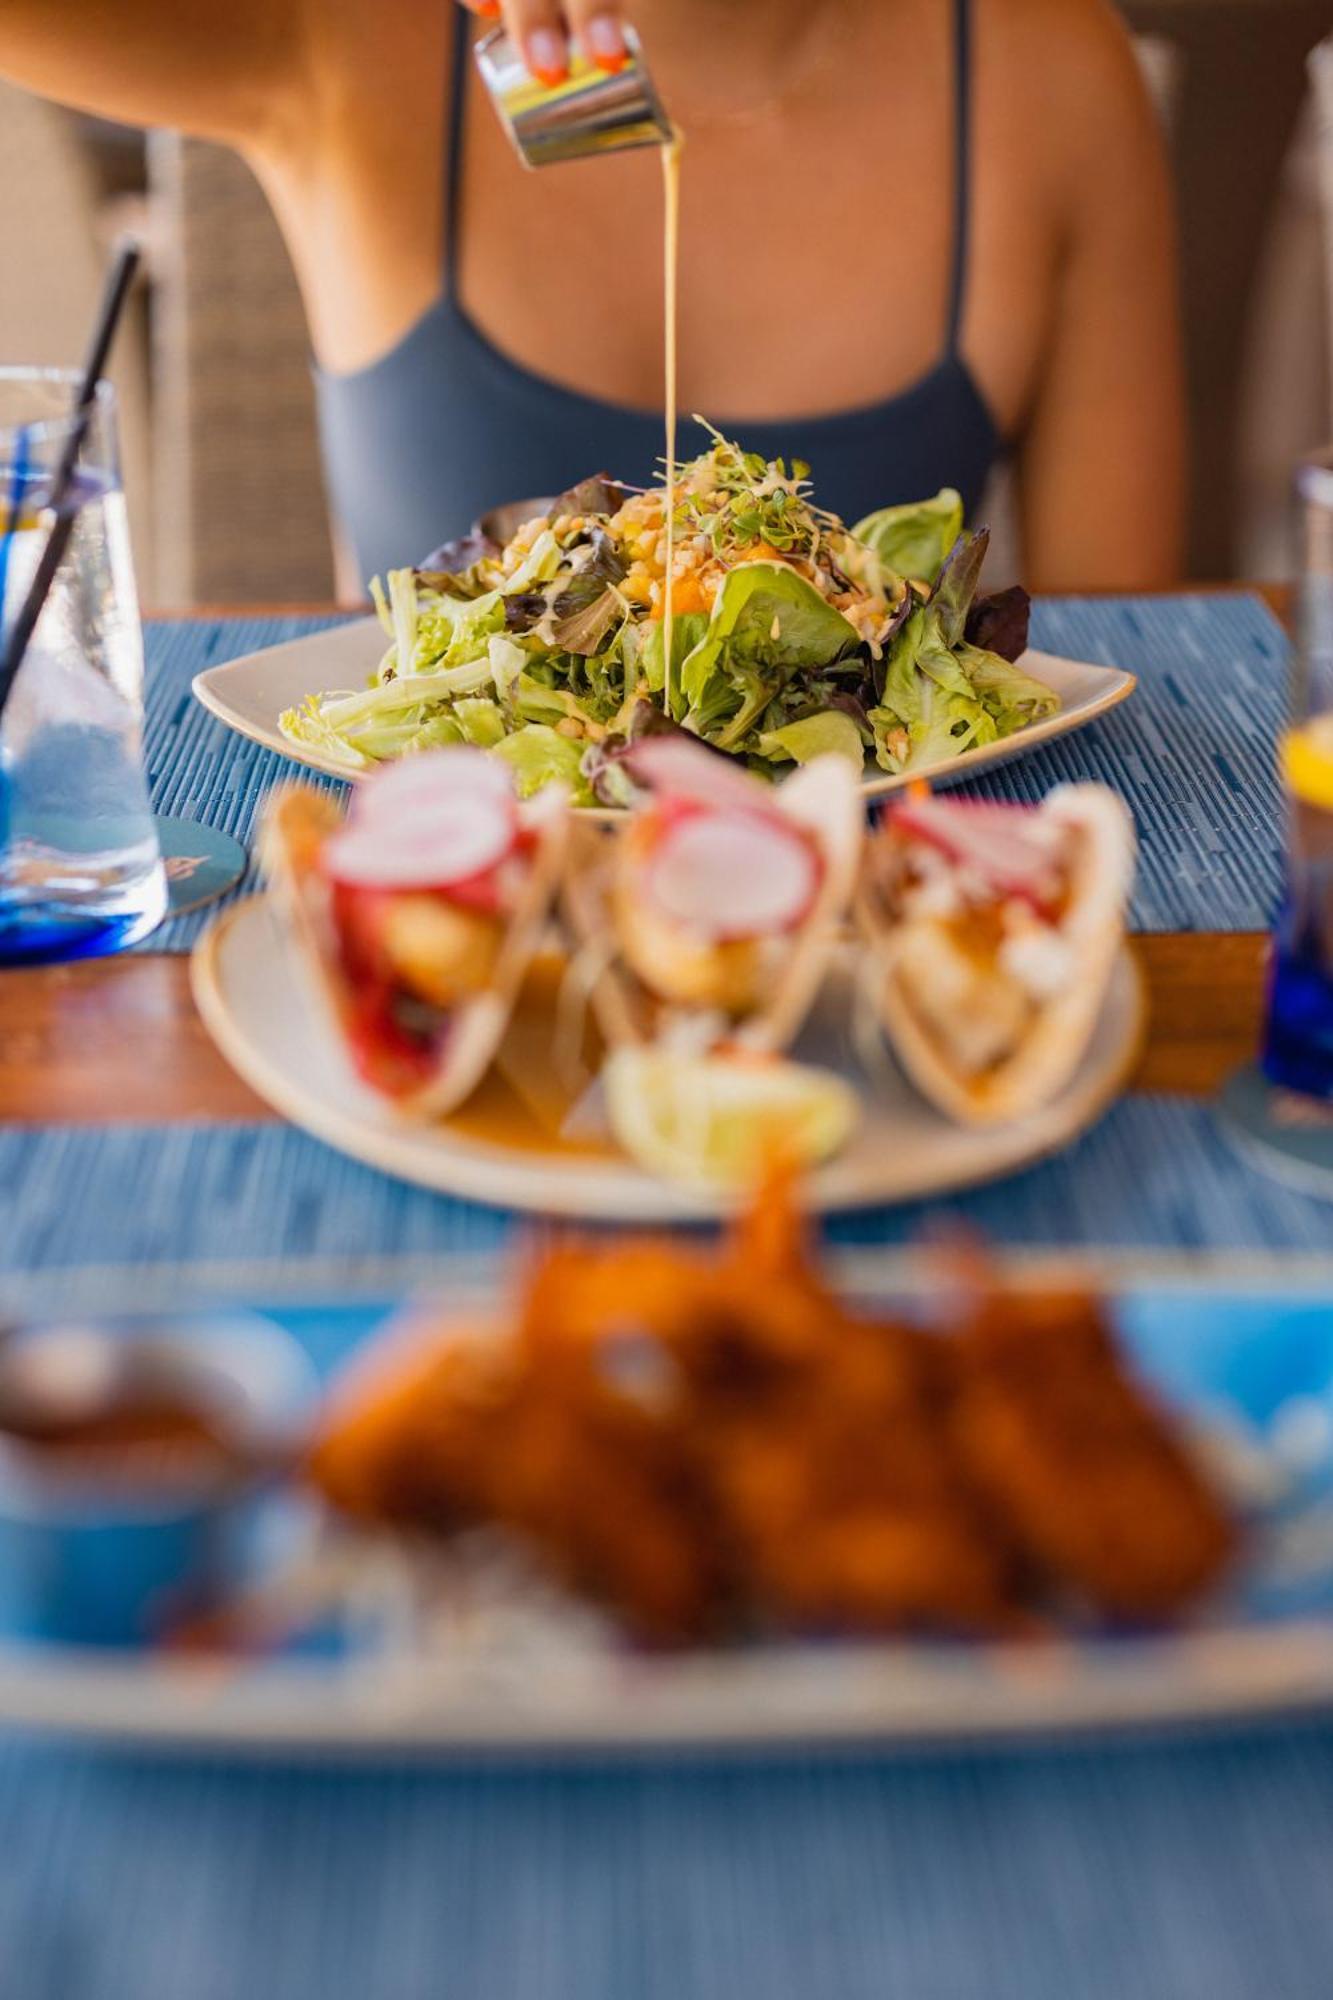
<point x="792" y="635"/>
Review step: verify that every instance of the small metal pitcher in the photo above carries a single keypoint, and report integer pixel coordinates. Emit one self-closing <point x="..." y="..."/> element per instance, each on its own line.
<point x="591" y="112"/>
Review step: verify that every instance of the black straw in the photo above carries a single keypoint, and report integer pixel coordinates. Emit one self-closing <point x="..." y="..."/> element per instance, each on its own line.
<point x="114" y="294"/>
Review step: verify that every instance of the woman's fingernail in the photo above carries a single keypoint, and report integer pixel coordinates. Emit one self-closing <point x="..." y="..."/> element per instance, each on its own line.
<point x="605" y="43"/>
<point x="489" y="9"/>
<point x="548" y="57"/>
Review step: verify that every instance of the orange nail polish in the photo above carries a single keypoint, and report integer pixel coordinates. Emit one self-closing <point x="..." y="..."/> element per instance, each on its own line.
<point x="612" y="64"/>
<point x="489" y="10"/>
<point x="551" y="77"/>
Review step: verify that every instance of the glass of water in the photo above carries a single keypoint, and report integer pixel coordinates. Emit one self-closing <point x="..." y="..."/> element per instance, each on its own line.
<point x="1298" y="1037"/>
<point x="80" y="867"/>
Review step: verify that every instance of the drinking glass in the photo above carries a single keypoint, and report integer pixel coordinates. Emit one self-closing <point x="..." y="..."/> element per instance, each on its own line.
<point x="80" y="867"/>
<point x="1298" y="1039"/>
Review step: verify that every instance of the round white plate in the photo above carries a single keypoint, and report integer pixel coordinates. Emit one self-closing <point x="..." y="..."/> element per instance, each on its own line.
<point x="259" y="1009"/>
<point x="251" y="693"/>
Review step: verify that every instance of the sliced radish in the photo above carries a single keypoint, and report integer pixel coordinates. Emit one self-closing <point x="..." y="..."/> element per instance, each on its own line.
<point x="428" y="776"/>
<point x="677" y="768"/>
<point x="733" y="875"/>
<point x="1012" y="847"/>
<point x="426" y="844"/>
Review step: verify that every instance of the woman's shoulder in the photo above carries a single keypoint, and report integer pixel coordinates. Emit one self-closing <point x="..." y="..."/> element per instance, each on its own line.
<point x="1066" y="34"/>
<point x="1070" y="68"/>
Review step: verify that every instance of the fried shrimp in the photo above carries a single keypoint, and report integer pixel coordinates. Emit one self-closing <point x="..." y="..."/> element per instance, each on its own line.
<point x="1098" y="1493"/>
<point x="711" y="1443"/>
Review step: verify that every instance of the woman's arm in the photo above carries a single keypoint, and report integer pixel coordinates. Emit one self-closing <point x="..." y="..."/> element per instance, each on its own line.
<point x="1102" y="460"/>
<point x="222" y="68"/>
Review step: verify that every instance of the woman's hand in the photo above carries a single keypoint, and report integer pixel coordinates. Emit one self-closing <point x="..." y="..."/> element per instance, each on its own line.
<point x="542" y="30"/>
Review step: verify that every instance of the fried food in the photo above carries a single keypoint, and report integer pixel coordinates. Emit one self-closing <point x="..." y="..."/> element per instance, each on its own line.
<point x="713" y="1443"/>
<point x="822" y="1454"/>
<point x="541" y="1436"/>
<point x="1098" y="1493"/>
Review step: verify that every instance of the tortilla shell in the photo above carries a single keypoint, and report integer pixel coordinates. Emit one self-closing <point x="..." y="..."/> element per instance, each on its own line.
<point x="1058" y="1038"/>
<point x="823" y="798"/>
<point x="297" y="822"/>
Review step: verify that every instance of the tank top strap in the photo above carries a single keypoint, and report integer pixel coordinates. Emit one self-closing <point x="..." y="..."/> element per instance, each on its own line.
<point x="460" y="62"/>
<point x="962" y="170"/>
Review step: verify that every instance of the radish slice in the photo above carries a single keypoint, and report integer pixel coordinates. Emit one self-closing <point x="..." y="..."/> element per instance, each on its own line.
<point x="427" y="777"/>
<point x="427" y="844"/>
<point x="677" y="768"/>
<point x="1013" y="847"/>
<point x="733" y="875"/>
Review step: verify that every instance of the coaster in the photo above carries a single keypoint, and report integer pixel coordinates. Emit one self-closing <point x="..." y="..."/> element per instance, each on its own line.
<point x="202" y="864"/>
<point x="1281" y="1132"/>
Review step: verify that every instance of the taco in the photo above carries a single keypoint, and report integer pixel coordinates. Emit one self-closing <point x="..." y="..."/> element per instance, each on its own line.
<point x="993" y="933"/>
<point x="713" y="910"/>
<point x="419" y="913"/>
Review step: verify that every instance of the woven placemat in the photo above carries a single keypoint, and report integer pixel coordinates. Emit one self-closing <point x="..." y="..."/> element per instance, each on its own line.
<point x="1181" y="1873"/>
<point x="1192" y="751"/>
<point x="267" y="1199"/>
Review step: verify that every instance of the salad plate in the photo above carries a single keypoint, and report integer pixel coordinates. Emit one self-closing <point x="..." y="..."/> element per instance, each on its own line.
<point x="514" y="1144"/>
<point x="1237" y="1351"/>
<point x="250" y="695"/>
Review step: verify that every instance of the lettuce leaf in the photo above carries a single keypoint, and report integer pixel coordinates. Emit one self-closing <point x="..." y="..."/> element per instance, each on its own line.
<point x="956" y="585"/>
<point x="460" y="568"/>
<point x="914" y="540"/>
<point x="999" y="623"/>
<point x="537" y="755"/>
<point x="688" y="631"/>
<point x="479" y="721"/>
<point x="940" y="700"/>
<point x="430" y="628"/>
<point x="768" y="624"/>
<point x="1014" y="698"/>
<point x="441" y="731"/>
<point x="830" y="733"/>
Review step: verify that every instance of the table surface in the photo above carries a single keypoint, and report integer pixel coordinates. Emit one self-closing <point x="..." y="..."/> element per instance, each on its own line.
<point x="1180" y="1872"/>
<point x="119" y="1040"/>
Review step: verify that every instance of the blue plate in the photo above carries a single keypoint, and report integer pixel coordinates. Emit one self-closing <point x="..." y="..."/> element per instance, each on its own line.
<point x="1242" y="1355"/>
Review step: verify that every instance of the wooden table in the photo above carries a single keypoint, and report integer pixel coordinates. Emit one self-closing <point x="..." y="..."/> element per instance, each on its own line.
<point x="114" y="1040"/>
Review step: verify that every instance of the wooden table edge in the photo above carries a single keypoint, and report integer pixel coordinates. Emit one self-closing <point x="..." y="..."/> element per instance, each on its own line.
<point x="118" y="1041"/>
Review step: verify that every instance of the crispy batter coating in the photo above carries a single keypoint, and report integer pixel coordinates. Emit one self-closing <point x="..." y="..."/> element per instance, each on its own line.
<point x="1099" y="1494"/>
<point x="707" y="1443"/>
<point x="825" y="1459"/>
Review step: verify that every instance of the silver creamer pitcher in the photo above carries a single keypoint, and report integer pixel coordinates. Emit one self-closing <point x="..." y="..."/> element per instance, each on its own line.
<point x="591" y="112"/>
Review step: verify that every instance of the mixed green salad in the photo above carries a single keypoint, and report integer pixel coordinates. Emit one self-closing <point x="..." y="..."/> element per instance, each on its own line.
<point x="791" y="635"/>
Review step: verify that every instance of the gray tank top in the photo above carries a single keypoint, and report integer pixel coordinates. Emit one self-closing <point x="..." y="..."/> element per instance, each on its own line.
<point x="444" y="425"/>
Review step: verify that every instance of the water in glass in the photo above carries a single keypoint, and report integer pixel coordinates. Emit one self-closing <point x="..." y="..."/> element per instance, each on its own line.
<point x="80" y="867"/>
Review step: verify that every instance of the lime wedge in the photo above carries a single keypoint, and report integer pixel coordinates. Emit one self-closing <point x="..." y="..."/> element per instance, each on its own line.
<point x="717" y="1121"/>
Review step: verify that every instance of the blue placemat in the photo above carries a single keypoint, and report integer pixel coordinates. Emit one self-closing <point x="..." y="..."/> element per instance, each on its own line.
<point x="1156" y="1172"/>
<point x="1192" y="751"/>
<point x="1167" y="1872"/>
<point x="1192" y="1873"/>
<point x="197" y="769"/>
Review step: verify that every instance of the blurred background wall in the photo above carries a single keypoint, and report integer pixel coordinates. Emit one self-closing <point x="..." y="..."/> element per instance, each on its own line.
<point x="222" y="464"/>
